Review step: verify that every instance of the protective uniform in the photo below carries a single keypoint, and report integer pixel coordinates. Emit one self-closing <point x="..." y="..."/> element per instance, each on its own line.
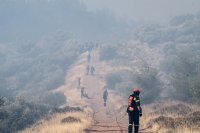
<point x="134" y="111"/>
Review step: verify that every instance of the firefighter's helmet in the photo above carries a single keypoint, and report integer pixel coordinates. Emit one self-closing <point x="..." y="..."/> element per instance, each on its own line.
<point x="136" y="90"/>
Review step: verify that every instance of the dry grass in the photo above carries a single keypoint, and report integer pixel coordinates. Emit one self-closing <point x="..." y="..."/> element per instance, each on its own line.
<point x="173" y="120"/>
<point x="68" y="122"/>
<point x="54" y="124"/>
<point x="172" y="117"/>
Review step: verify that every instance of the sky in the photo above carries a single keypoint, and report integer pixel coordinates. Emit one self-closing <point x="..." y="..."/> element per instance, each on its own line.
<point x="145" y="10"/>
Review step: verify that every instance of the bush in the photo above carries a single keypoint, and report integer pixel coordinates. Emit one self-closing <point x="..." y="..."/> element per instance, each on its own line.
<point x="22" y="114"/>
<point x="1" y="101"/>
<point x="3" y="113"/>
<point x="112" y="79"/>
<point x="178" y="20"/>
<point x="195" y="87"/>
<point x="108" y="52"/>
<point x="150" y="85"/>
<point x="53" y="99"/>
<point x="185" y="71"/>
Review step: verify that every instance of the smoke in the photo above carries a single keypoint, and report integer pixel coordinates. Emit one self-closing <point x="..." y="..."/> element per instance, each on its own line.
<point x="32" y="19"/>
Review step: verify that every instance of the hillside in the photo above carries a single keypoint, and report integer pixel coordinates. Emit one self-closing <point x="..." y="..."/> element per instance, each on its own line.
<point x="163" y="59"/>
<point x="112" y="118"/>
<point x="30" y="72"/>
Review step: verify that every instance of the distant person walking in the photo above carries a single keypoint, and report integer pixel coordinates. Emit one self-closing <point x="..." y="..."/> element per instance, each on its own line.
<point x="88" y="57"/>
<point x="105" y="96"/>
<point x="82" y="92"/>
<point x="88" y="69"/>
<point x="92" y="70"/>
<point x="134" y="110"/>
<point x="79" y="81"/>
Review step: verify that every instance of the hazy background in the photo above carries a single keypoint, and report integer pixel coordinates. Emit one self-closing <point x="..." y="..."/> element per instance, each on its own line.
<point x="98" y="20"/>
<point x="33" y="19"/>
<point x="148" y="11"/>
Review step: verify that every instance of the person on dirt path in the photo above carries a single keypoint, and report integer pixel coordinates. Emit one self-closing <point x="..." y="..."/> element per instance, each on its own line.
<point x="134" y="110"/>
<point x="88" y="57"/>
<point x="79" y="81"/>
<point x="82" y="92"/>
<point x="88" y="69"/>
<point x="105" y="96"/>
<point x="86" y="96"/>
<point x="92" y="70"/>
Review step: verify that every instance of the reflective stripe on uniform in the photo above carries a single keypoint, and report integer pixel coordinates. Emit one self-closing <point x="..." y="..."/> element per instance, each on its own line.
<point x="130" y="108"/>
<point x="130" y="124"/>
<point x="136" y="125"/>
<point x="130" y="100"/>
<point x="138" y="108"/>
<point x="137" y="100"/>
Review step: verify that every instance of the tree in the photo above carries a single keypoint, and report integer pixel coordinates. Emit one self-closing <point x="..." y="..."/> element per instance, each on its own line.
<point x="3" y="113"/>
<point x="1" y="101"/>
<point x="149" y="83"/>
<point x="195" y="87"/>
<point x="108" y="52"/>
<point x="185" y="73"/>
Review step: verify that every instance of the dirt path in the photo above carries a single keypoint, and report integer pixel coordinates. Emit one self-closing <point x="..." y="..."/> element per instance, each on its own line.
<point x="105" y="119"/>
<point x="110" y="119"/>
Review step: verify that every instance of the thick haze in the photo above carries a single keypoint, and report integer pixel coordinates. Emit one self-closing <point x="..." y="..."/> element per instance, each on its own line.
<point x="86" y="19"/>
<point x="146" y="10"/>
<point x="33" y="19"/>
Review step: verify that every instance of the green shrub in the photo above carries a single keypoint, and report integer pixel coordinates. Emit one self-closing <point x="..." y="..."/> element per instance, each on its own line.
<point x="149" y="83"/>
<point x="185" y="71"/>
<point x="22" y="114"/>
<point x="53" y="99"/>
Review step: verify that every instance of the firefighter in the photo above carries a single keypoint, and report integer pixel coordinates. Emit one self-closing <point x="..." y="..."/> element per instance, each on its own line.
<point x="82" y="92"/>
<point x="105" y="96"/>
<point x="92" y="70"/>
<point x="79" y="81"/>
<point x="88" y="69"/>
<point x="134" y="110"/>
